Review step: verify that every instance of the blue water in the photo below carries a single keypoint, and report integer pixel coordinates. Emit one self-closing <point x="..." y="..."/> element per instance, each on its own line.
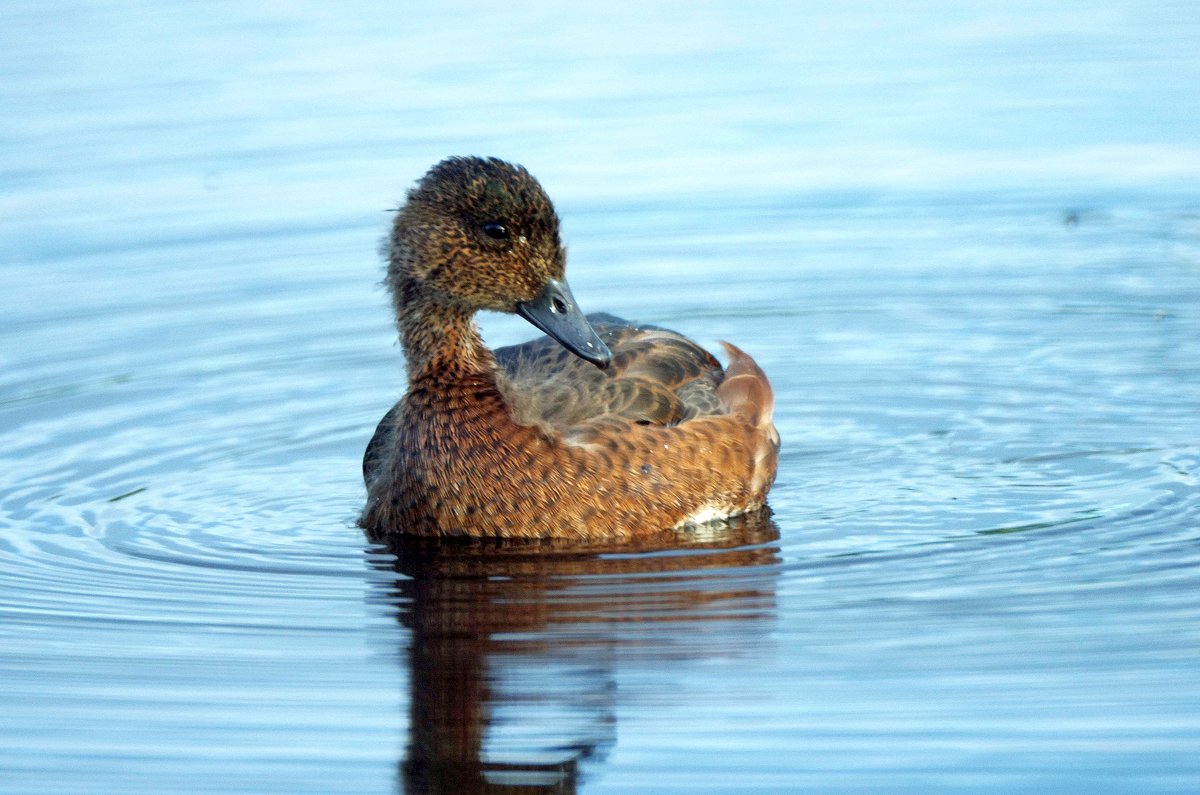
<point x="963" y="241"/>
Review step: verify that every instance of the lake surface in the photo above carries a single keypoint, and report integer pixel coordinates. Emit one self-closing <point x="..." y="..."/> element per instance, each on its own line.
<point x="964" y="242"/>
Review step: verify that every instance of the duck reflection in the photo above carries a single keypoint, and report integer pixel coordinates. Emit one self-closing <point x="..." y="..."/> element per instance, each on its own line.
<point x="515" y="647"/>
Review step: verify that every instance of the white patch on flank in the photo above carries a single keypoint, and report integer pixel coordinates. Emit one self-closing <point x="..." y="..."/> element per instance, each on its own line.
<point x="708" y="513"/>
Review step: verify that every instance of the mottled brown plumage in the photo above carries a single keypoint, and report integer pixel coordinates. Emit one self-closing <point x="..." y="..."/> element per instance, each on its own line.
<point x="533" y="441"/>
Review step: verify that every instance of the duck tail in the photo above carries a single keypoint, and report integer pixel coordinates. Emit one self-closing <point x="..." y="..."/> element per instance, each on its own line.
<point x="746" y="390"/>
<point x="746" y="393"/>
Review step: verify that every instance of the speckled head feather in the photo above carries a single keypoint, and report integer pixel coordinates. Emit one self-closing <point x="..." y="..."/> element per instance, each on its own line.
<point x="476" y="232"/>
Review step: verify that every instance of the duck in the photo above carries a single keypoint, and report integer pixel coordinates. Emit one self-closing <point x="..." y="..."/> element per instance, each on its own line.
<point x="601" y="430"/>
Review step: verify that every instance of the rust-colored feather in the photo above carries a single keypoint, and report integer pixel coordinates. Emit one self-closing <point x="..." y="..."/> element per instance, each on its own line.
<point x="746" y="390"/>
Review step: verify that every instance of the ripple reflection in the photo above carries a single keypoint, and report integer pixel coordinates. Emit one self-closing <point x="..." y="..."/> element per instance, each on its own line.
<point x="515" y="647"/>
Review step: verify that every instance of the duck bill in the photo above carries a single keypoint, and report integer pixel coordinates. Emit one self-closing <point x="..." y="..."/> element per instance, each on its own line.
<point x="555" y="312"/>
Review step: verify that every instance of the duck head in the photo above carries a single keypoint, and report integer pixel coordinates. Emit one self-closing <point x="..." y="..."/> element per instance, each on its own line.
<point x="480" y="233"/>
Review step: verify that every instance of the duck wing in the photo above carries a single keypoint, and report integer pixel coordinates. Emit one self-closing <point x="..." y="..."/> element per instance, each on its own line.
<point x="379" y="449"/>
<point x="657" y="377"/>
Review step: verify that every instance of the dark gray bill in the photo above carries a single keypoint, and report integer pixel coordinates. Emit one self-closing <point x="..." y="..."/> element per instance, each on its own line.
<point x="555" y="312"/>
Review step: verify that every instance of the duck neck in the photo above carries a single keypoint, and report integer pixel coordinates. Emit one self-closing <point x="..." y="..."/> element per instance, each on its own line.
<point x="443" y="344"/>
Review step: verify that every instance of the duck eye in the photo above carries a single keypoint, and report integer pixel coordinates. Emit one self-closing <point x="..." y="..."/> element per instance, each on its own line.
<point x="496" y="231"/>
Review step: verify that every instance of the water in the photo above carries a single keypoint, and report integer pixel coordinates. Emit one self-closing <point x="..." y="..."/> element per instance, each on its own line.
<point x="963" y="241"/>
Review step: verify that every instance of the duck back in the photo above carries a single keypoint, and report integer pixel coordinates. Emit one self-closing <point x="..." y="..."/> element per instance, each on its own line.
<point x="657" y="377"/>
